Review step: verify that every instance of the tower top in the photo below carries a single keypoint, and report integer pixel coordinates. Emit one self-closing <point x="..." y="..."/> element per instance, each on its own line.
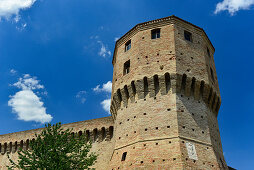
<point x="161" y="21"/>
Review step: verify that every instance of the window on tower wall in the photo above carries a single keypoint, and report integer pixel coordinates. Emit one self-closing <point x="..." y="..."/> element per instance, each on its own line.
<point x="128" y="45"/>
<point x="155" y="33"/>
<point x="126" y="67"/>
<point x="124" y="156"/>
<point x="187" y="36"/>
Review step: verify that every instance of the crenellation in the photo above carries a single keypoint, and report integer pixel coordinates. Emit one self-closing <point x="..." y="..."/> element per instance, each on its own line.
<point x="164" y="103"/>
<point x="188" y="86"/>
<point x="162" y="84"/>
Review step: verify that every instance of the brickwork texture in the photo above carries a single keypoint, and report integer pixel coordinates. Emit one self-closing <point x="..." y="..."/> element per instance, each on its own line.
<point x="165" y="98"/>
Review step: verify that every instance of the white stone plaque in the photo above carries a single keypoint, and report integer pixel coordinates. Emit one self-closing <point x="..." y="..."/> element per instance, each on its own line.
<point x="191" y="151"/>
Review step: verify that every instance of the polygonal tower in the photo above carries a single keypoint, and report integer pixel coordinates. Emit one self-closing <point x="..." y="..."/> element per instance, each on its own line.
<point x="165" y="98"/>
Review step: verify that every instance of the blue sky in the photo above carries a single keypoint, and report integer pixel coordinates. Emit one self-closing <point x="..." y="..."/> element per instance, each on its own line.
<point x="55" y="60"/>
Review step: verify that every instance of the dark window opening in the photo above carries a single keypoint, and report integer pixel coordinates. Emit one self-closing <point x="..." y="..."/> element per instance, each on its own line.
<point x="21" y="144"/>
<point x="111" y="131"/>
<point x="5" y="147"/>
<point x="188" y="36"/>
<point x="95" y="134"/>
<point x="10" y="147"/>
<point x="124" y="156"/>
<point x="155" y="33"/>
<point x="88" y="134"/>
<point x="80" y="133"/>
<point x="27" y="144"/>
<point x="128" y="45"/>
<point x="208" y="52"/>
<point x="146" y="90"/>
<point x="126" y="68"/>
<point x="212" y="74"/>
<point x="103" y="133"/>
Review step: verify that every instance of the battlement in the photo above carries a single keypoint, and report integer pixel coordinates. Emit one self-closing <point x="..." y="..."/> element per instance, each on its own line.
<point x="164" y="103"/>
<point x="96" y="130"/>
<point x="165" y="84"/>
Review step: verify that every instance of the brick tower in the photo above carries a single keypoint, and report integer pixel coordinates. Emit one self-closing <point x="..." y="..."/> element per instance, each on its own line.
<point x="165" y="98"/>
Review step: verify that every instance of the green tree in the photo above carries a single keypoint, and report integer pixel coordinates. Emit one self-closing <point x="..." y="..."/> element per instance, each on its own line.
<point x="55" y="149"/>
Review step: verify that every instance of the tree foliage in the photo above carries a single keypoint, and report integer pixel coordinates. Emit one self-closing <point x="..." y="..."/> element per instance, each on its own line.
<point x="56" y="149"/>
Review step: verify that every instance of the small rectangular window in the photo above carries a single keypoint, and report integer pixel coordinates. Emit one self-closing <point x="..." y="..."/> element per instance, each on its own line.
<point x="188" y="36"/>
<point x="126" y="67"/>
<point x="155" y="33"/>
<point x="208" y="52"/>
<point x="128" y="45"/>
<point x="124" y="156"/>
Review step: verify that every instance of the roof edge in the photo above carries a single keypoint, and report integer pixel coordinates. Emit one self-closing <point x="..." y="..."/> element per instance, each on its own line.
<point x="169" y="17"/>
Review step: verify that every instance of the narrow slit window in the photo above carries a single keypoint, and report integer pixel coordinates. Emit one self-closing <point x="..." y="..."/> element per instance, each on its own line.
<point x="187" y="36"/>
<point x="124" y="156"/>
<point x="128" y="45"/>
<point x="156" y="33"/>
<point x="126" y="68"/>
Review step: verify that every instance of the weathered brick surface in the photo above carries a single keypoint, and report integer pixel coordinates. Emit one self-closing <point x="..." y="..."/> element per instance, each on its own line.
<point x="176" y="99"/>
<point x="168" y="99"/>
<point x="102" y="145"/>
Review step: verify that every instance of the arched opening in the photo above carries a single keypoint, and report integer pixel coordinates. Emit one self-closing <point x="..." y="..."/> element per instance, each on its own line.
<point x="167" y="82"/>
<point x="183" y="85"/>
<point x="202" y="86"/>
<point x="80" y="133"/>
<point x="95" y="134"/>
<point x="88" y="134"/>
<point x="21" y="144"/>
<point x="156" y="84"/>
<point x="145" y="86"/>
<point x="111" y="131"/>
<point x="103" y="133"/>
<point x="193" y="81"/>
<point x="27" y="144"/>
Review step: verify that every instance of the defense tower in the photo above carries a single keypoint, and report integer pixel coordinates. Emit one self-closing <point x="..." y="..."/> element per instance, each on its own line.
<point x="165" y="98"/>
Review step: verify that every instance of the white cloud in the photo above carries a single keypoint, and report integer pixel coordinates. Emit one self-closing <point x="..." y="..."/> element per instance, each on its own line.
<point x="106" y="105"/>
<point x="9" y="8"/>
<point x="81" y="95"/>
<point x="232" y="6"/>
<point x="28" y="83"/>
<point x="26" y="104"/>
<point x="104" y="52"/>
<point x="107" y="87"/>
<point x="28" y="107"/>
<point x="21" y="27"/>
<point x="12" y="71"/>
<point x="116" y="38"/>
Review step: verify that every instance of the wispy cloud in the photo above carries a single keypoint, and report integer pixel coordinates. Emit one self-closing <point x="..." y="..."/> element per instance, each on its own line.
<point x="116" y="38"/>
<point x="26" y="103"/>
<point x="107" y="88"/>
<point x="81" y="96"/>
<point x="21" y="27"/>
<point x="104" y="51"/>
<point x="11" y="8"/>
<point x="106" y="105"/>
<point x="232" y="6"/>
<point x="13" y="72"/>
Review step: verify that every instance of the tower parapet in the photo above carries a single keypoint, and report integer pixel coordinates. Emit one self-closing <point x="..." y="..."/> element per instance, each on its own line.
<point x="165" y="98"/>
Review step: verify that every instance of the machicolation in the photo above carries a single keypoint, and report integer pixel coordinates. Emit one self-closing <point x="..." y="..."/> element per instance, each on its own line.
<point x="164" y="104"/>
